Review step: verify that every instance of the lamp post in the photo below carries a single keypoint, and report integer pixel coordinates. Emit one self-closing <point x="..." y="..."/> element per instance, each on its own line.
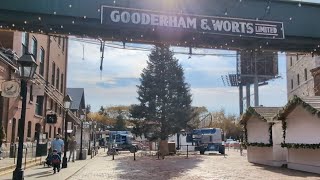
<point x="90" y="136"/>
<point x="94" y="137"/>
<point x="67" y="104"/>
<point x="27" y="68"/>
<point x="82" y="117"/>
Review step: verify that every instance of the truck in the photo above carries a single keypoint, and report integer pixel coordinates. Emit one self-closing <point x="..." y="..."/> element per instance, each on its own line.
<point x="122" y="140"/>
<point x="207" y="139"/>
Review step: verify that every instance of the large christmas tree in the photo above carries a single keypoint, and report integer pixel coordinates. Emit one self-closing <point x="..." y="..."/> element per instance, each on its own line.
<point x="165" y="99"/>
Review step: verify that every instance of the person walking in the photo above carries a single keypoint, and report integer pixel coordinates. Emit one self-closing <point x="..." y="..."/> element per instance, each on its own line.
<point x="56" y="161"/>
<point x="58" y="145"/>
<point x="72" y="147"/>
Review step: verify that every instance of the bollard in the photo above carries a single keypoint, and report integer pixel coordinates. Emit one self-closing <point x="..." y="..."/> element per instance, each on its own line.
<point x="31" y="151"/>
<point x="134" y="156"/>
<point x="113" y="151"/>
<point x="25" y="159"/>
<point x="158" y="152"/>
<point x="14" y="154"/>
<point x="187" y="151"/>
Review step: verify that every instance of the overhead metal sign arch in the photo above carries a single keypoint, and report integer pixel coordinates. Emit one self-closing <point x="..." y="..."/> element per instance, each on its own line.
<point x="277" y="25"/>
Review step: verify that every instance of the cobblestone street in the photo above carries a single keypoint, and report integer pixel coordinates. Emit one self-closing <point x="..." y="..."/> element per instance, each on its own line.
<point x="196" y="167"/>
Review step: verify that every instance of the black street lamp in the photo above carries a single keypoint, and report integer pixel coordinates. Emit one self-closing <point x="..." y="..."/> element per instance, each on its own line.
<point x="94" y="137"/>
<point x="90" y="137"/>
<point x="27" y="68"/>
<point x="67" y="104"/>
<point x="82" y="117"/>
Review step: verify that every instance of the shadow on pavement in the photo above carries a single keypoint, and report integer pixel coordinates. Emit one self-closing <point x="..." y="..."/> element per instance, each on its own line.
<point x="287" y="172"/>
<point x="147" y="167"/>
<point x="40" y="174"/>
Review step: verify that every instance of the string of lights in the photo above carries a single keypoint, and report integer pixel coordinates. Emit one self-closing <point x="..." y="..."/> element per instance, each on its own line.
<point x="145" y="49"/>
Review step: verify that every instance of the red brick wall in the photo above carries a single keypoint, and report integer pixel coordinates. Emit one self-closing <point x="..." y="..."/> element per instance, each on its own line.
<point x="14" y="40"/>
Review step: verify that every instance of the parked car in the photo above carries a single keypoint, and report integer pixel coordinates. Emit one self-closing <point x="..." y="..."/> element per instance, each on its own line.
<point x="231" y="143"/>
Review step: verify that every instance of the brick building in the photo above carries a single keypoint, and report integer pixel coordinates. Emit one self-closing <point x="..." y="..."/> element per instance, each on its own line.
<point x="45" y="92"/>
<point x="300" y="81"/>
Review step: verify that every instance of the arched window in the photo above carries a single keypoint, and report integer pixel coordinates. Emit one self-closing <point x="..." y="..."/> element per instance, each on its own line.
<point x="54" y="131"/>
<point x="29" y="129"/>
<point x="50" y="131"/>
<point x="305" y="74"/>
<point x="53" y="74"/>
<point x="59" y="130"/>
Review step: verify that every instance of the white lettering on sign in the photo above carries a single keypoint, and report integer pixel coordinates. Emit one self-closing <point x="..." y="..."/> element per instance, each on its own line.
<point x="153" y="19"/>
<point x="218" y="25"/>
<point x="266" y="29"/>
<point x="115" y="17"/>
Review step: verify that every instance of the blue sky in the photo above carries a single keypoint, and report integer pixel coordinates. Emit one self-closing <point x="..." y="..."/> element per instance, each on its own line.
<point x="116" y="84"/>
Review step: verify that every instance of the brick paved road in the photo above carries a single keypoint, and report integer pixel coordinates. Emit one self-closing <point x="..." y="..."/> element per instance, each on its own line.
<point x="197" y="167"/>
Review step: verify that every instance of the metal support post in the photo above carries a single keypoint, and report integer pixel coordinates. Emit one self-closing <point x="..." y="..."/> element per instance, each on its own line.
<point x="18" y="172"/>
<point x="241" y="99"/>
<point x="248" y="95"/>
<point x="65" y="160"/>
<point x="81" y="133"/>
<point x="256" y="83"/>
<point x="187" y="151"/>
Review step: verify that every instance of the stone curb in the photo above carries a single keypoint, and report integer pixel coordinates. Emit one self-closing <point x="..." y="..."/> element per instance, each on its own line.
<point x="10" y="169"/>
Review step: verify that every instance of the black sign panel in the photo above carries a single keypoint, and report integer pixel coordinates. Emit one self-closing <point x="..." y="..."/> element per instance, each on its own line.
<point x="119" y="17"/>
<point x="51" y="118"/>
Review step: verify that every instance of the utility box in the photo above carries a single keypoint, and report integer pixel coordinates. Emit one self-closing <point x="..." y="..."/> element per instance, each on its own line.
<point x="84" y="154"/>
<point x="172" y="147"/>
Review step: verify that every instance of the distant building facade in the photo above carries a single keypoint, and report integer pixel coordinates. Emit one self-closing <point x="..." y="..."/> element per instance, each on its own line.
<point x="300" y="81"/>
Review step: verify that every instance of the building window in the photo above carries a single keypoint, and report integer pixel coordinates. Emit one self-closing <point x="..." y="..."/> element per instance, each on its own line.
<point x="50" y="131"/>
<point x="53" y="77"/>
<point x="61" y="83"/>
<point x="41" y="57"/>
<point x="55" y="107"/>
<point x="29" y="129"/>
<point x="59" y="41"/>
<point x="298" y="79"/>
<point x="51" y="104"/>
<point x="34" y="47"/>
<point x="39" y="106"/>
<point x="25" y="43"/>
<point x="291" y="83"/>
<point x="54" y="131"/>
<point x="63" y="45"/>
<point x="31" y="93"/>
<point x="290" y="60"/>
<point x="58" y="76"/>
<point x="305" y="74"/>
<point x="59" y="130"/>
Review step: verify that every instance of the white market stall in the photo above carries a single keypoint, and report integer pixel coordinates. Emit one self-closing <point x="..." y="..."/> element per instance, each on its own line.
<point x="263" y="136"/>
